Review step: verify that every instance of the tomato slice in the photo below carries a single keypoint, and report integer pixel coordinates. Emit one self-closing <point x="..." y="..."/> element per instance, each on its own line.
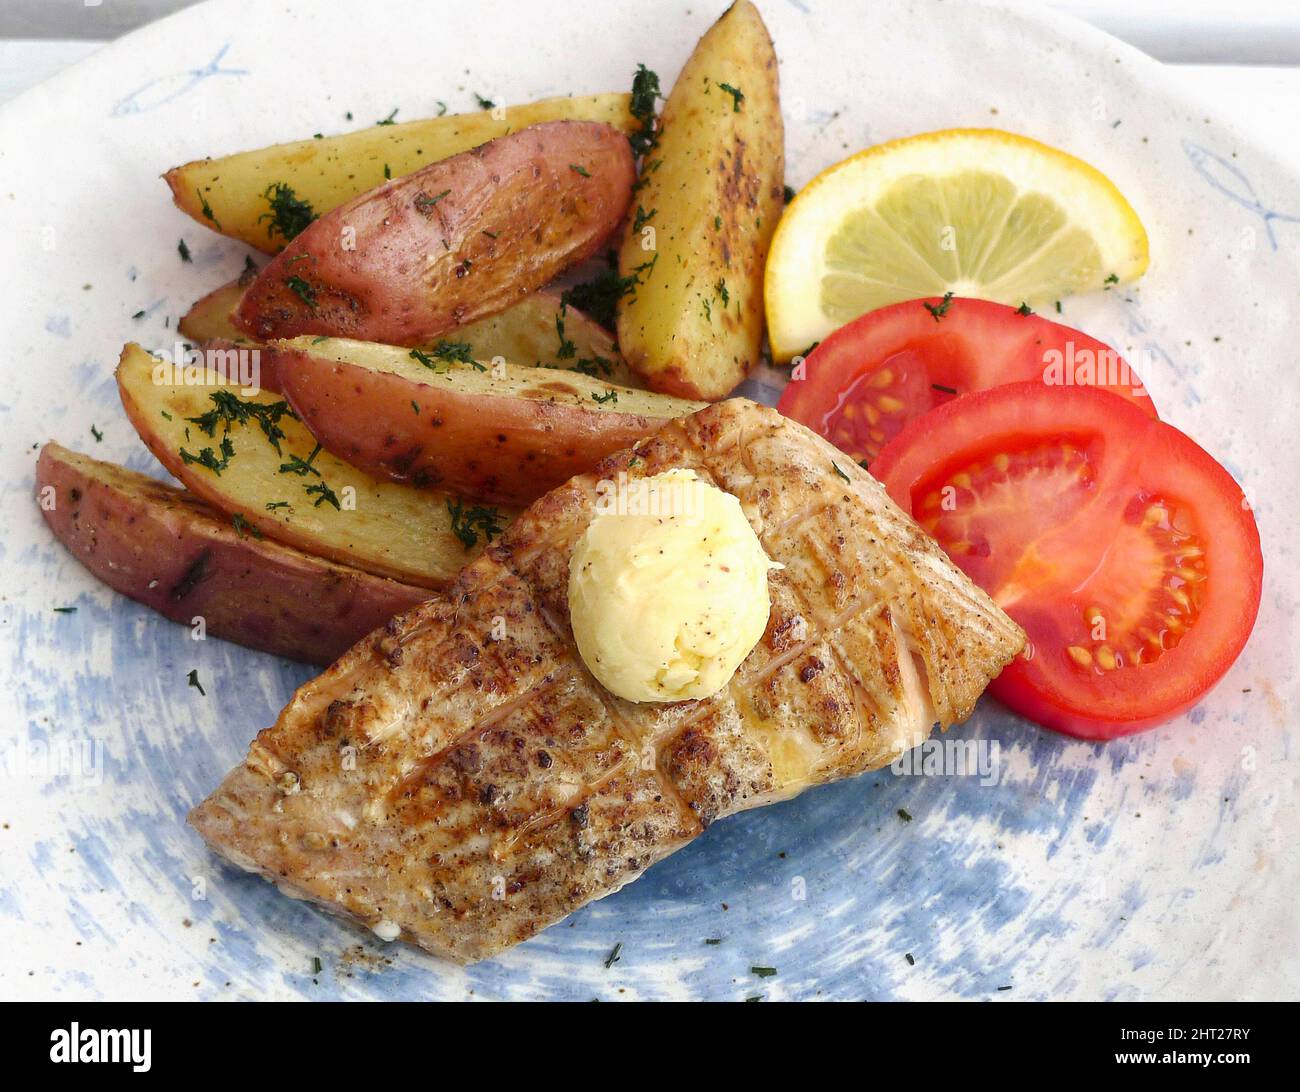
<point x="866" y="381"/>
<point x="1129" y="556"/>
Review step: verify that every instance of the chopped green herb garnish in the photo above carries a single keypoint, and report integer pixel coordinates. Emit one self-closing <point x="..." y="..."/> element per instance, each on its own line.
<point x="599" y="296"/>
<point x="288" y="215"/>
<point x="642" y="218"/>
<point x="322" y="493"/>
<point x="1112" y="279"/>
<point x="424" y="203"/>
<point x="300" y="466"/>
<point x="442" y="107"/>
<point x="243" y="528"/>
<point x="206" y="209"/>
<point x="273" y="505"/>
<point x="390" y="119"/>
<point x="139" y="314"/>
<point x="229" y="409"/>
<point x="193" y="679"/>
<point x="594" y="366"/>
<point x="938" y="310"/>
<point x="99" y="436"/>
<point x="566" y="347"/>
<point x="904" y="815"/>
<point x="303" y="290"/>
<point x="580" y="169"/>
<point x="65" y="610"/>
<point x="788" y="193"/>
<point x="614" y="955"/>
<point x="712" y="940"/>
<point x="461" y="352"/>
<point x="421" y="357"/>
<point x="645" y="92"/>
<point x="484" y="104"/>
<point x="315" y="964"/>
<point x="722" y="291"/>
<point x="763" y="972"/>
<point x="468" y="523"/>
<point x="207" y="457"/>
<point x="387" y="172"/>
<point x="941" y="387"/>
<point x="608" y="396"/>
<point x="737" y="96"/>
<point x="183" y="251"/>
<point x="1024" y="309"/>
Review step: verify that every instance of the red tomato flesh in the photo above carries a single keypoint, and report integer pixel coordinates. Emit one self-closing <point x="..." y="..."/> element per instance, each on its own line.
<point x="1129" y="556"/>
<point x="865" y="382"/>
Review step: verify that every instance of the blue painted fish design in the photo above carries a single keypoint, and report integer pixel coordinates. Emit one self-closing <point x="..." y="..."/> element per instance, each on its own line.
<point x="1229" y="180"/>
<point x="164" y="89"/>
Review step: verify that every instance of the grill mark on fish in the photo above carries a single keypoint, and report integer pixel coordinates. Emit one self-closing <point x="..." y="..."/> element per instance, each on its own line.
<point x="466" y="842"/>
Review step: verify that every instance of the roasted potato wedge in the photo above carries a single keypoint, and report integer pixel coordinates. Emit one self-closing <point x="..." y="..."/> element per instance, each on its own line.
<point x="710" y="193"/>
<point x="461" y="239"/>
<point x="499" y="433"/>
<point x="538" y="329"/>
<point x="164" y="548"/>
<point x="264" y="197"/>
<point x="249" y="456"/>
<point x="210" y="318"/>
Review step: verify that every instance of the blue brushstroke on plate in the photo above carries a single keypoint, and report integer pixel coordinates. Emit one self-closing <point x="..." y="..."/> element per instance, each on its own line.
<point x="164" y="89"/>
<point x="1229" y="179"/>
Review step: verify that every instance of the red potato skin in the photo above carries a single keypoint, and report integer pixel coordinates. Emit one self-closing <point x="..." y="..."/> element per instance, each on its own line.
<point x="463" y="238"/>
<point x="502" y="450"/>
<point x="164" y="548"/>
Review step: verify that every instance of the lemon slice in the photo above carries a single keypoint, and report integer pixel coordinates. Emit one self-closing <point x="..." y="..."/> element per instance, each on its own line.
<point x="975" y="212"/>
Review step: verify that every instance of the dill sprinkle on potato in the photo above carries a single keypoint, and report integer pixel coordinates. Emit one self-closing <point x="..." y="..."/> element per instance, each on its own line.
<point x="206" y="209"/>
<point x="737" y="96"/>
<point x="468" y="523"/>
<point x="289" y="215"/>
<point x="645" y="92"/>
<point x="303" y="290"/>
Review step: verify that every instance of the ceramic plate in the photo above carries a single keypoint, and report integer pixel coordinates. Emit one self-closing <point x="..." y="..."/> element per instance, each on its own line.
<point x="1154" y="867"/>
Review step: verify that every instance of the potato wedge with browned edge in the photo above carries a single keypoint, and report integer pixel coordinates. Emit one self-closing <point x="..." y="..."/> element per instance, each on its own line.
<point x="539" y="329"/>
<point x="210" y="318"/>
<point x="168" y="550"/>
<point x="710" y="193"/>
<point x="459" y="240"/>
<point x="264" y="197"/>
<point x="248" y="455"/>
<point x="498" y="433"/>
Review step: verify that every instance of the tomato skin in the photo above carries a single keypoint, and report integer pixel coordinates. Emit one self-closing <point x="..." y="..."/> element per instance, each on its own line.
<point x="932" y="351"/>
<point x="1130" y="458"/>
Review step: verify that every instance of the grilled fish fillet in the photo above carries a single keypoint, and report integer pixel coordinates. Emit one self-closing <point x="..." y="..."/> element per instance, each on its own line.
<point x="460" y="780"/>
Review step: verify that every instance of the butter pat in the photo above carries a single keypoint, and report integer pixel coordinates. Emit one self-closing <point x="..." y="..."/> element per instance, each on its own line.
<point x="667" y="589"/>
